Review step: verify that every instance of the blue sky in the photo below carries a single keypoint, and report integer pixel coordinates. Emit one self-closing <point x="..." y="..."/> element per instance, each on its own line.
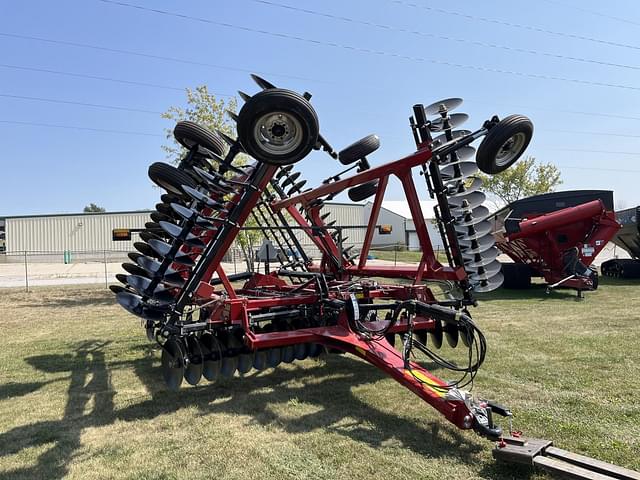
<point x="364" y="79"/>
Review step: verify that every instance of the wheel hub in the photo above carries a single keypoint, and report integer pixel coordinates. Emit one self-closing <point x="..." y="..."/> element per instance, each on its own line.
<point x="510" y="149"/>
<point x="278" y="132"/>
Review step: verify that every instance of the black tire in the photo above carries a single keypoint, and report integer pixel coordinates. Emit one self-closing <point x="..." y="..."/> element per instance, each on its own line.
<point x="300" y="120"/>
<point x="360" y="149"/>
<point x="493" y="154"/>
<point x="189" y="133"/>
<point x="517" y="276"/>
<point x="170" y="178"/>
<point x="364" y="191"/>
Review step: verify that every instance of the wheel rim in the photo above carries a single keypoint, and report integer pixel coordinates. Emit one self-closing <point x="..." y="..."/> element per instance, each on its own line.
<point x="278" y="133"/>
<point x="510" y="149"/>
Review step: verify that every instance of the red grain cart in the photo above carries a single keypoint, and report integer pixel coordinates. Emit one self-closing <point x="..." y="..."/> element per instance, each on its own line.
<point x="555" y="236"/>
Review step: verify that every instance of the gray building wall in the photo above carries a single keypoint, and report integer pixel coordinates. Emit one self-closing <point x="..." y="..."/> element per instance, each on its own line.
<point x="412" y="236"/>
<point x="81" y="232"/>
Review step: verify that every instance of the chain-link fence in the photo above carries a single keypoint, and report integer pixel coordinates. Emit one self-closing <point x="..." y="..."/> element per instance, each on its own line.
<point x="40" y="268"/>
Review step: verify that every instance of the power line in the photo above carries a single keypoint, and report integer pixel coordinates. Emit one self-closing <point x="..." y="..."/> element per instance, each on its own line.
<point x="372" y="51"/>
<point x="606" y="134"/>
<point x="599" y="169"/>
<point x="132" y="82"/>
<point x="149" y="55"/>
<point x="92" y="77"/>
<point x="154" y="112"/>
<point x="593" y="12"/>
<point x="73" y="127"/>
<point x="444" y="37"/>
<point x="84" y="104"/>
<point x="512" y="24"/>
<point x="586" y="150"/>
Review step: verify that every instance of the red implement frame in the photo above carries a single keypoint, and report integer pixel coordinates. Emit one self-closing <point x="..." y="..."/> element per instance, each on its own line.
<point x="240" y="304"/>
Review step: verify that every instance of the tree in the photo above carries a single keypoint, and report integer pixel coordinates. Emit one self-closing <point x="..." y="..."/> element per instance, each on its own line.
<point x="524" y="179"/>
<point x="93" y="208"/>
<point x="204" y="109"/>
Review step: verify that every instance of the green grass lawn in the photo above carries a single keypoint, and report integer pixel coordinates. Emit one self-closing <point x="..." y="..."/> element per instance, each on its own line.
<point x="81" y="396"/>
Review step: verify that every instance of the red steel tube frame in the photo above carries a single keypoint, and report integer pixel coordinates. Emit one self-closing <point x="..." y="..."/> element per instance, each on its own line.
<point x="429" y="267"/>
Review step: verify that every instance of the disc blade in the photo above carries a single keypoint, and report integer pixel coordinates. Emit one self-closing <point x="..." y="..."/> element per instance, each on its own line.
<point x="131" y="302"/>
<point x="158" y="217"/>
<point x="458" y="171"/>
<point x="288" y="354"/>
<point x="451" y="334"/>
<point x="194" y="367"/>
<point x="172" y="364"/>
<point x="489" y="285"/>
<point x="134" y="256"/>
<point x="471" y="200"/>
<point x="442" y="139"/>
<point x="214" y="180"/>
<point x="262" y="83"/>
<point x="163" y="249"/>
<point x="201" y="197"/>
<point x="466" y="335"/>
<point x="463" y="187"/>
<point x="478" y="230"/>
<point x="245" y="362"/>
<point x="177" y="233"/>
<point x="168" y="198"/>
<point x="455" y="120"/>
<point x="489" y="270"/>
<point x="483" y="259"/>
<point x="146" y="236"/>
<point x="193" y="215"/>
<point x="135" y="270"/>
<point x="445" y="105"/>
<point x="301" y="351"/>
<point x="283" y="171"/>
<point x="274" y="357"/>
<point x="160" y="296"/>
<point x="460" y="155"/>
<point x="463" y="204"/>
<point x="436" y="334"/>
<point x="315" y="350"/>
<point x="290" y="179"/>
<point x="135" y="305"/>
<point x="297" y="187"/>
<point x="144" y="249"/>
<point x="212" y="356"/>
<point x="477" y="215"/>
<point x="168" y="275"/>
<point x="482" y="244"/>
<point x="117" y="288"/>
<point x="421" y="336"/>
<point x="260" y="360"/>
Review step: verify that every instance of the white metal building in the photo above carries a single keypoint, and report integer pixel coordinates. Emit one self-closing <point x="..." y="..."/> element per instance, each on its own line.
<point x="80" y="232"/>
<point x="92" y="232"/>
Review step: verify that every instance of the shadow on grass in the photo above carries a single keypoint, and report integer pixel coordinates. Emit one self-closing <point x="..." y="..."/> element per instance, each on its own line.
<point x="73" y="299"/>
<point x="327" y="386"/>
<point x="536" y="292"/>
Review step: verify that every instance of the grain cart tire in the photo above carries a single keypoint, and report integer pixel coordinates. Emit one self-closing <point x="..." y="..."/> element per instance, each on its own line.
<point x="189" y="133"/>
<point x="170" y="178"/>
<point x="360" y="149"/>
<point x="364" y="191"/>
<point x="517" y="276"/>
<point x="278" y="127"/>
<point x="504" y="144"/>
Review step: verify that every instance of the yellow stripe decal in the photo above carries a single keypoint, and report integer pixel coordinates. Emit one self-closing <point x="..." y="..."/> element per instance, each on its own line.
<point x="423" y="378"/>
